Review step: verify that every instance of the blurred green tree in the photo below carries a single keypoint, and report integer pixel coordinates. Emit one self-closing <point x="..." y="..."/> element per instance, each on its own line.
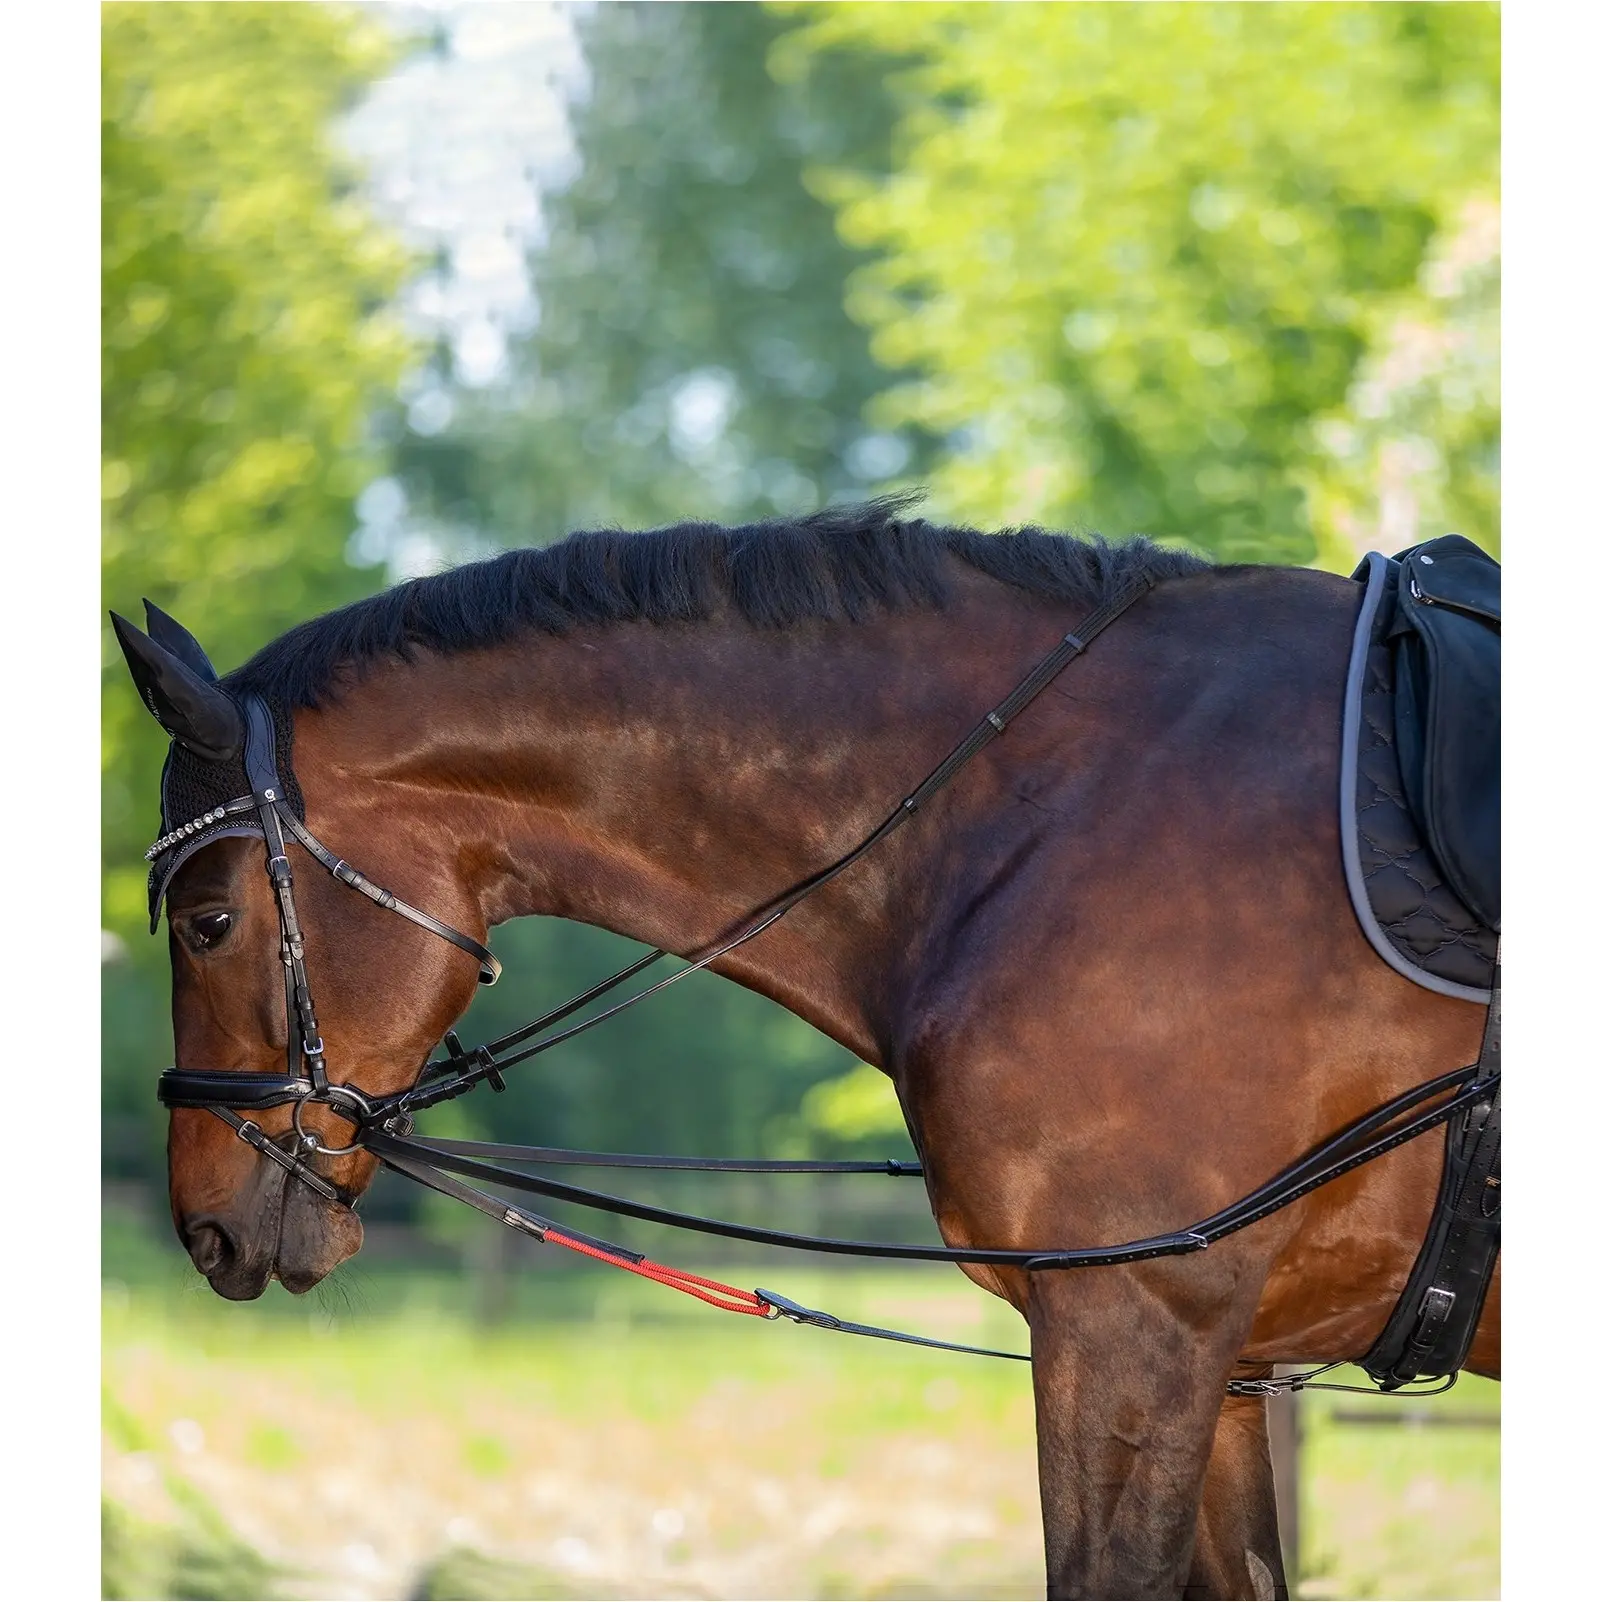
<point x="1415" y="450"/>
<point x="692" y="356"/>
<point x="246" y="340"/>
<point x="1130" y="254"/>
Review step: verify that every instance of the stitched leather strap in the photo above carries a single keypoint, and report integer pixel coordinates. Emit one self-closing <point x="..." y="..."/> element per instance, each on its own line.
<point x="1369" y="1137"/>
<point x="254" y="1135"/>
<point x="454" y="1075"/>
<point x="699" y="1165"/>
<point x="489" y="968"/>
<point x="208" y="1087"/>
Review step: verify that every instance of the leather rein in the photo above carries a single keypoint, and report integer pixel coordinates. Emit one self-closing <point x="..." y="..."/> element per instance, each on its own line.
<point x="383" y="1125"/>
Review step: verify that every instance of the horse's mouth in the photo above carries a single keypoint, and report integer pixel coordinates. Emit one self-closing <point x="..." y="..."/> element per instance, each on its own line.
<point x="299" y="1243"/>
<point x="240" y="1276"/>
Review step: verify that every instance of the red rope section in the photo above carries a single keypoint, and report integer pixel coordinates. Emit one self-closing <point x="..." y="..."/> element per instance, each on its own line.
<point x="728" y="1298"/>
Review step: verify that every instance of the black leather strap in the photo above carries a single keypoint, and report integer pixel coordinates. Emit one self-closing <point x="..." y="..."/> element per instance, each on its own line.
<point x="306" y="1073"/>
<point x="537" y="1228"/>
<point x="1432" y="1326"/>
<point x="454" y="1075"/>
<point x="489" y="968"/>
<point x="1361" y="1142"/>
<point x="700" y="1165"/>
<point x="209" y="1087"/>
<point x="254" y="1135"/>
<point x="797" y="1314"/>
<point x="305" y="1041"/>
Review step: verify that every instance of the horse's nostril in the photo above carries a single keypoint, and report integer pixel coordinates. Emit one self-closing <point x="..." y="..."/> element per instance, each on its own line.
<point x="209" y="1247"/>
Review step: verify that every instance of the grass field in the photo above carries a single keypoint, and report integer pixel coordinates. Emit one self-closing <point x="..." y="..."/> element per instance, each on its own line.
<point x="378" y="1441"/>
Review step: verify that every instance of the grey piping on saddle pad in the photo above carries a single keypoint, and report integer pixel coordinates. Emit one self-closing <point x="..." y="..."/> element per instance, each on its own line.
<point x="1374" y="566"/>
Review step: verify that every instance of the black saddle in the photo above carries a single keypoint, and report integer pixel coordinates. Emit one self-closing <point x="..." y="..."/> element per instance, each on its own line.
<point x="1421" y="819"/>
<point x="1421" y="784"/>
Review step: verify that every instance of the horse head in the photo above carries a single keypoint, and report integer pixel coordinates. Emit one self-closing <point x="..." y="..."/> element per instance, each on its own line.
<point x="332" y="993"/>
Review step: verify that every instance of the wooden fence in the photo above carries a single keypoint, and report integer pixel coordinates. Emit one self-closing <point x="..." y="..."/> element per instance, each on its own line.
<point x="1285" y="1447"/>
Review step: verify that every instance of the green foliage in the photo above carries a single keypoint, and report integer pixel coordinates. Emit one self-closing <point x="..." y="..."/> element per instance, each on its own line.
<point x="272" y="1447"/>
<point x="859" y="1105"/>
<point x="463" y="1575"/>
<point x="693" y="357"/>
<point x="1416" y="450"/>
<point x="689" y="1412"/>
<point x="704" y="1068"/>
<point x="1130" y="253"/>
<point x="200" y="1558"/>
<point x="193" y="1553"/>
<point x="486" y="1456"/>
<point x="135" y="1039"/>
<point x="1158" y="268"/>
<point x="245" y="344"/>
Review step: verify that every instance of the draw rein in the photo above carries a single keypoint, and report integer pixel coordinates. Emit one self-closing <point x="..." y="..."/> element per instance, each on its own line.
<point x="383" y="1124"/>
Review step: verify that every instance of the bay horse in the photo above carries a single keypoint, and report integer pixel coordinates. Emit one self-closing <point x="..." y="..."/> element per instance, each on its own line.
<point x="1112" y="970"/>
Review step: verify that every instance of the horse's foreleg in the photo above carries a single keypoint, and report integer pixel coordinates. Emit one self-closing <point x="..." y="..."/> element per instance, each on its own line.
<point x="1128" y="1390"/>
<point x="1237" y="1551"/>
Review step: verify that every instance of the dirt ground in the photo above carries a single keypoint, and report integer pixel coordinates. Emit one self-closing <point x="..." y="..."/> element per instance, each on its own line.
<point x="409" y="1454"/>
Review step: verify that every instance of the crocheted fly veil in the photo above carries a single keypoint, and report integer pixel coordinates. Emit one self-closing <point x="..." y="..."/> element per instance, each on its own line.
<point x="201" y="802"/>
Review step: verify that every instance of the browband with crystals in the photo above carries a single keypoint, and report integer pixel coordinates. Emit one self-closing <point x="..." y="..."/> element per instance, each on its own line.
<point x="228" y="809"/>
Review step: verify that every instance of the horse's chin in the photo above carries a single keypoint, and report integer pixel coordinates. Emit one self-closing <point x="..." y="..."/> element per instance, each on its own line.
<point x="314" y="1238"/>
<point x="297" y="1281"/>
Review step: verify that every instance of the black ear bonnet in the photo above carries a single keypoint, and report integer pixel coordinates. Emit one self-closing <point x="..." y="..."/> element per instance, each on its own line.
<point x="193" y="789"/>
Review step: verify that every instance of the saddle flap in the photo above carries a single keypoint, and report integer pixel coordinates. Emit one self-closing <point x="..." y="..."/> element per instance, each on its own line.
<point x="1448" y="641"/>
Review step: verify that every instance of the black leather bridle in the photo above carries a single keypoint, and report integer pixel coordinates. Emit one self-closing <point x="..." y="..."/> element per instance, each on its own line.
<point x="305" y="1080"/>
<point x="383" y="1124"/>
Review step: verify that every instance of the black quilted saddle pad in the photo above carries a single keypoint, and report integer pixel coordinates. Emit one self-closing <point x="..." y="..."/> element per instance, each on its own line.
<point x="1411" y="911"/>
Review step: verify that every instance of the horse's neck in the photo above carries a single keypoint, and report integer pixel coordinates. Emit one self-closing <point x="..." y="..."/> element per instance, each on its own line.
<point x="662" y="782"/>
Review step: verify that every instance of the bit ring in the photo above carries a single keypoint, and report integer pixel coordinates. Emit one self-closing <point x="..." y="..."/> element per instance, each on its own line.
<point x="330" y="1098"/>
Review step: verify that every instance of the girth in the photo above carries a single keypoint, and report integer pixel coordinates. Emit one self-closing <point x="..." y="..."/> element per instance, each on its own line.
<point x="1431" y="1328"/>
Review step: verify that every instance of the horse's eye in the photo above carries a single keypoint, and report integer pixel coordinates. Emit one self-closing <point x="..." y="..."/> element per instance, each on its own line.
<point x="206" y="930"/>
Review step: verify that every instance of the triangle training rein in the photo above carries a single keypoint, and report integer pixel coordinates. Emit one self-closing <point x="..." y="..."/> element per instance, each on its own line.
<point x="384" y="1125"/>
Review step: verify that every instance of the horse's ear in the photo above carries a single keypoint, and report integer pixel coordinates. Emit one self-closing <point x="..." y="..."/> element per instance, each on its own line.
<point x="195" y="712"/>
<point x="169" y="632"/>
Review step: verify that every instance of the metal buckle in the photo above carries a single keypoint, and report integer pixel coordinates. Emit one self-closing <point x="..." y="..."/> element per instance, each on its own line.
<point x="1437" y="1303"/>
<point x="1259" y="1387"/>
<point x="783" y="1307"/>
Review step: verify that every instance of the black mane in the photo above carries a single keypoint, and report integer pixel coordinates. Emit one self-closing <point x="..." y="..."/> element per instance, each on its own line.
<point x="844" y="562"/>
